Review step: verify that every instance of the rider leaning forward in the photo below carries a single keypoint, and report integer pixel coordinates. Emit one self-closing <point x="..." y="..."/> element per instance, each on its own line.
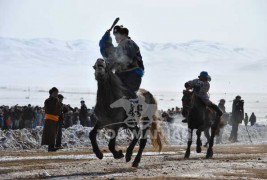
<point x="201" y="88"/>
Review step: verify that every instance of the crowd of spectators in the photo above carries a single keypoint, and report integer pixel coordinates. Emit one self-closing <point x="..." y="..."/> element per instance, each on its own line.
<point x="19" y="117"/>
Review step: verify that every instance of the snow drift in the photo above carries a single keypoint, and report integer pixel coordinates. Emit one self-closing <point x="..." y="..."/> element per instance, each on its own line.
<point x="78" y="136"/>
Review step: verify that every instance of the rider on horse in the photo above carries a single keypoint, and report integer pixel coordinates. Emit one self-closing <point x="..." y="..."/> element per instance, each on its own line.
<point x="201" y="88"/>
<point x="125" y="59"/>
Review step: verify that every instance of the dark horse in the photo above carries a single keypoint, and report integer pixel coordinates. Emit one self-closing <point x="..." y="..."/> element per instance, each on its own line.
<point x="110" y="89"/>
<point x="201" y="118"/>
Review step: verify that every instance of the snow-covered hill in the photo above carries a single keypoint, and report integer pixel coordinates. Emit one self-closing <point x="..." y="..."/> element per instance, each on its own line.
<point x="48" y="62"/>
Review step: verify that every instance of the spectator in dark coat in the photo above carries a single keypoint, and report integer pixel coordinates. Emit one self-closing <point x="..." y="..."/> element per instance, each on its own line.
<point x="60" y="123"/>
<point x="75" y="117"/>
<point x="237" y="117"/>
<point x="221" y="105"/>
<point x="28" y="117"/>
<point x="52" y="112"/>
<point x="252" y="119"/>
<point x="68" y="119"/>
<point x="246" y="119"/>
<point x="83" y="115"/>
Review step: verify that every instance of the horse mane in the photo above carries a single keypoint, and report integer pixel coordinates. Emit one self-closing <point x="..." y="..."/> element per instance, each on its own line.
<point x="109" y="90"/>
<point x="196" y="101"/>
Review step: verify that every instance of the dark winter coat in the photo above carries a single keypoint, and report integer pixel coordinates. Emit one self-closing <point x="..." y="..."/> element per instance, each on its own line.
<point x="252" y="119"/>
<point x="53" y="107"/>
<point x="222" y="107"/>
<point x="123" y="57"/>
<point x="246" y="120"/>
<point x="28" y="117"/>
<point x="237" y="111"/>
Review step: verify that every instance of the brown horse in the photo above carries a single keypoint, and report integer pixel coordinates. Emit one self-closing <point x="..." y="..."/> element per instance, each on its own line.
<point x="201" y="118"/>
<point x="110" y="90"/>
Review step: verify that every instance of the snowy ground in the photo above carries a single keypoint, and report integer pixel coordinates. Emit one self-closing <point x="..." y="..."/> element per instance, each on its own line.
<point x="229" y="162"/>
<point x="21" y="156"/>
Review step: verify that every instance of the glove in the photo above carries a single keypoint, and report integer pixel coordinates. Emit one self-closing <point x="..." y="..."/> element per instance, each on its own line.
<point x="187" y="85"/>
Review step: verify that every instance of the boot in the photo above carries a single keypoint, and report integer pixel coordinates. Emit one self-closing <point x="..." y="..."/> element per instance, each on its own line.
<point x="52" y="148"/>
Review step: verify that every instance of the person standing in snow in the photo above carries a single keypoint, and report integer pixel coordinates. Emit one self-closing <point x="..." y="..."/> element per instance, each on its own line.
<point x="246" y="119"/>
<point x="222" y="108"/>
<point x="60" y="122"/>
<point x="52" y="113"/>
<point x="252" y="119"/>
<point x="125" y="59"/>
<point x="83" y="114"/>
<point x="237" y="117"/>
<point x="221" y="105"/>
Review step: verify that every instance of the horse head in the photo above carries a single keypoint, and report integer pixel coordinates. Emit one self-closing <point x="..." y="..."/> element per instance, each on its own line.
<point x="100" y="69"/>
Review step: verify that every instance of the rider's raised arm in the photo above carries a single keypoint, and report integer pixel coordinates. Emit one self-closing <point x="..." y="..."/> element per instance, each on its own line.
<point x="107" y="49"/>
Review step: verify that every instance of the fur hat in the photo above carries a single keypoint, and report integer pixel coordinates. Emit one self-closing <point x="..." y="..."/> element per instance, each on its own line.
<point x="53" y="89"/>
<point x="60" y="96"/>
<point x="121" y="30"/>
<point x="205" y="74"/>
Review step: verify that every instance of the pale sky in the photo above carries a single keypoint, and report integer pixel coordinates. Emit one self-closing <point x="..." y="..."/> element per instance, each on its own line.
<point x="238" y="22"/>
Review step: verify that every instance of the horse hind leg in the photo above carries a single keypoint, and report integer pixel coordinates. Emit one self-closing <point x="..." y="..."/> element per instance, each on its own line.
<point x="136" y="135"/>
<point x="112" y="144"/>
<point x="211" y="142"/>
<point x="199" y="143"/>
<point x="207" y="135"/>
<point x="189" y="143"/>
<point x="92" y="136"/>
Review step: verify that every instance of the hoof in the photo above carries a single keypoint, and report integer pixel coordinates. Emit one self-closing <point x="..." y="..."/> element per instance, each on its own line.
<point x="135" y="164"/>
<point x="128" y="156"/>
<point x="118" y="155"/>
<point x="198" y="149"/>
<point x="99" y="155"/>
<point x="209" y="154"/>
<point x="187" y="155"/>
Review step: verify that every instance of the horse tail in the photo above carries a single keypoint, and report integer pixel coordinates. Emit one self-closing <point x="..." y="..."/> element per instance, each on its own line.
<point x="157" y="136"/>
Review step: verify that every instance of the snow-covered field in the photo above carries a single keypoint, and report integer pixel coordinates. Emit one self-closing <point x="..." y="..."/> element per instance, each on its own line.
<point x="30" y="67"/>
<point x="21" y="156"/>
<point x="229" y="162"/>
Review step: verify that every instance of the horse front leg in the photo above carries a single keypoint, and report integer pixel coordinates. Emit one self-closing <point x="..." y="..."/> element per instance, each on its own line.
<point x="136" y="135"/>
<point x="189" y="142"/>
<point x="112" y="144"/>
<point x="143" y="142"/>
<point x="92" y="136"/>
<point x="199" y="143"/>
